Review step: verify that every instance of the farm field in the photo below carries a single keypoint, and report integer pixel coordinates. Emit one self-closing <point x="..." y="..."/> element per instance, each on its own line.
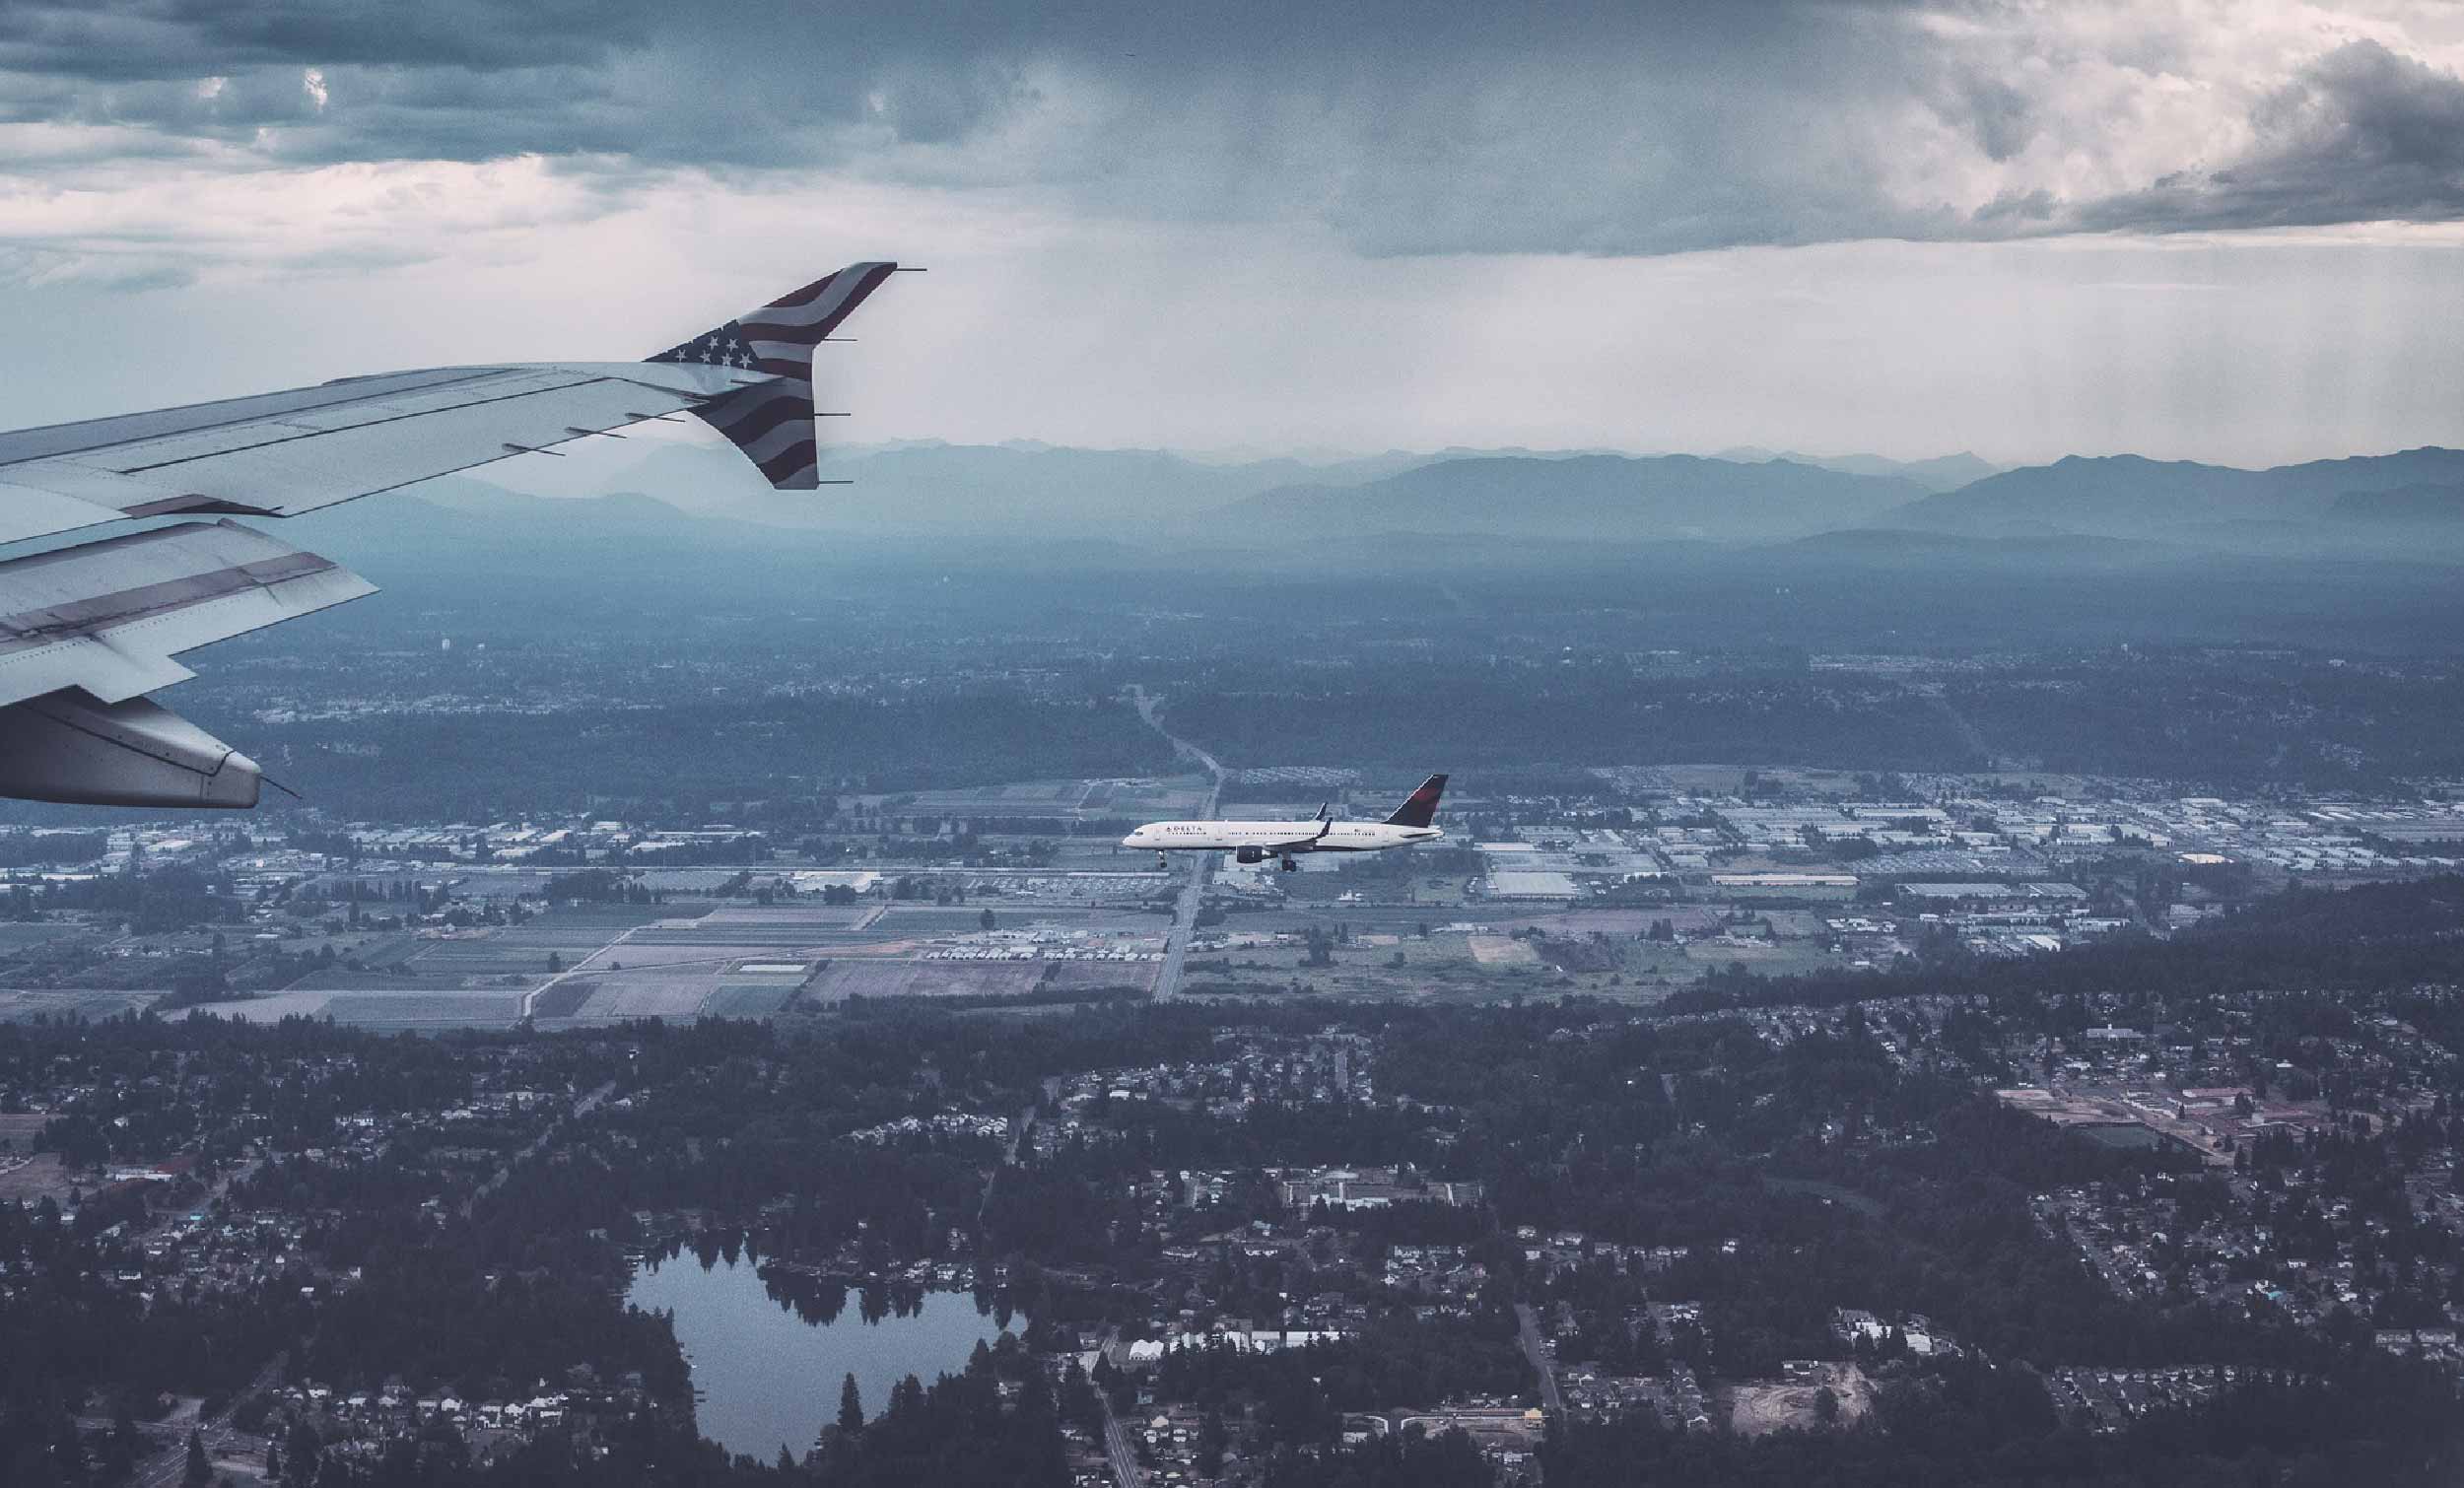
<point x="383" y="1010"/>
<point x="1084" y="800"/>
<point x="17" y="1006"/>
<point x="842" y="979"/>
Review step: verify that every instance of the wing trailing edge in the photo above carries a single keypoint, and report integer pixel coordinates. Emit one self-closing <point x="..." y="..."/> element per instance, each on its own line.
<point x="88" y="630"/>
<point x="108" y="616"/>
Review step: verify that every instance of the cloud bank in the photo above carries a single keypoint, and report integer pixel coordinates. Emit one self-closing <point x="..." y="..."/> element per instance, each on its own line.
<point x="1618" y="130"/>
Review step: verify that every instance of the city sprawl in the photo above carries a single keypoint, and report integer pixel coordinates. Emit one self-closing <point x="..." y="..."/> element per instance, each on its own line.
<point x="1713" y="1117"/>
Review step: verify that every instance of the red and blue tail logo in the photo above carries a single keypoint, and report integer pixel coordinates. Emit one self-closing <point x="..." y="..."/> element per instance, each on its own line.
<point x="1422" y="808"/>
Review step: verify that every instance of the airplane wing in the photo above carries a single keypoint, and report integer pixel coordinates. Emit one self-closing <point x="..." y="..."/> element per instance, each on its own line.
<point x="1326" y="824"/>
<point x="85" y="631"/>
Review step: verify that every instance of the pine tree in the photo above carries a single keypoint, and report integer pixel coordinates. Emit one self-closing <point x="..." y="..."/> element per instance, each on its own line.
<point x="1212" y="1438"/>
<point x="850" y="1407"/>
<point x="199" y="1472"/>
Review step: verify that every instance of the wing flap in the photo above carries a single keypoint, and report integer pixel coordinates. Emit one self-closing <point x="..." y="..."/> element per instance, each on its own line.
<point x="108" y="617"/>
<point x="100" y="668"/>
<point x="30" y="511"/>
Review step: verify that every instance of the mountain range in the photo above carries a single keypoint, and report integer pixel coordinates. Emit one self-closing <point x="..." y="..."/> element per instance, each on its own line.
<point x="2408" y="505"/>
<point x="1610" y="497"/>
<point x="2125" y="495"/>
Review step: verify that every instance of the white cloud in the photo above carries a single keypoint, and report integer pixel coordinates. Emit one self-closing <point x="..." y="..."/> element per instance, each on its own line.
<point x="1337" y="235"/>
<point x="1617" y="129"/>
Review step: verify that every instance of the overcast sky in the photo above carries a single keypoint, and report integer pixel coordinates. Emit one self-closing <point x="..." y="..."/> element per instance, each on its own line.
<point x="2222" y="230"/>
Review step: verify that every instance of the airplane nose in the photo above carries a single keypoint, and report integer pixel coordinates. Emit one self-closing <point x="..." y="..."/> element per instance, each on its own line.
<point x="1132" y="841"/>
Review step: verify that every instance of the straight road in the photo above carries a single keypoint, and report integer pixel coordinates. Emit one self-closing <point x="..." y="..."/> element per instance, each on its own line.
<point x="1193" y="893"/>
<point x="1124" y="1457"/>
<point x="222" y="1442"/>
<point x="1539" y="1356"/>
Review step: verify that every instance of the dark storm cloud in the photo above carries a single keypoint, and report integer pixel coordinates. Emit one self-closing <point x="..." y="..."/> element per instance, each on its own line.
<point x="2361" y="135"/>
<point x="188" y="39"/>
<point x="1608" y="128"/>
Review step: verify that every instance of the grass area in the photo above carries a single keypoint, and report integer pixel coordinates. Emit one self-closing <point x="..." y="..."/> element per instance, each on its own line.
<point x="1456" y="967"/>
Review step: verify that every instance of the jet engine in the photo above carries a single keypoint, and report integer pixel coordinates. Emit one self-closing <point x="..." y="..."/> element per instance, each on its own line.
<point x="1250" y="855"/>
<point x="70" y="746"/>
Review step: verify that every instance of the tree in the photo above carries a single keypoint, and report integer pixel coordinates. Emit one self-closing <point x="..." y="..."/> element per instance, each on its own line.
<point x="1080" y="1405"/>
<point x="199" y="1472"/>
<point x="1211" y="1440"/>
<point x="300" y="1454"/>
<point x="851" y="1406"/>
<point x="984" y="920"/>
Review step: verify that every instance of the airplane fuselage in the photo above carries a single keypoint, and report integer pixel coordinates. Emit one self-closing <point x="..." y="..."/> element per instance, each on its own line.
<point x="1277" y="837"/>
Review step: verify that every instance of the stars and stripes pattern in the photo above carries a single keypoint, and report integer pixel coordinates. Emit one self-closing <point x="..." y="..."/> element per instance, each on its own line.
<point x="772" y="420"/>
<point x="722" y="347"/>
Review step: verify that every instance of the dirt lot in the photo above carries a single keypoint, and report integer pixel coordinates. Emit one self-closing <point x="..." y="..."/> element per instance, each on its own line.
<point x="1090" y="973"/>
<point x="923" y="979"/>
<point x="1500" y="950"/>
<point x="22" y="1177"/>
<point x="1759" y="1409"/>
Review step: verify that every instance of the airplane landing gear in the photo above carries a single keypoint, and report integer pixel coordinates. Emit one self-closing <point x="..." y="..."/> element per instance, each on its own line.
<point x="1290" y="866"/>
<point x="1162" y="863"/>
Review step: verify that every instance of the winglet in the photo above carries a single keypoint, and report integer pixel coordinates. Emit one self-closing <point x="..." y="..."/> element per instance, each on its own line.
<point x="1421" y="807"/>
<point x="772" y="421"/>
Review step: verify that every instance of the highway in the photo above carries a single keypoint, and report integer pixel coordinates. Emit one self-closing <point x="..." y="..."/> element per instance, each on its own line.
<point x="1193" y="893"/>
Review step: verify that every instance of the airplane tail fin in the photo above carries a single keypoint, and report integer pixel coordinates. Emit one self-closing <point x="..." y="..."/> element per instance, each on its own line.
<point x="1421" y="807"/>
<point x="772" y="421"/>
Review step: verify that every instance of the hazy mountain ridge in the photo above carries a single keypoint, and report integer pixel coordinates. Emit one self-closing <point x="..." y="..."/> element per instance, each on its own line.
<point x="1595" y="496"/>
<point x="985" y="498"/>
<point x="2130" y="496"/>
<point x="999" y="489"/>
<point x="2431" y="504"/>
<point x="1947" y="472"/>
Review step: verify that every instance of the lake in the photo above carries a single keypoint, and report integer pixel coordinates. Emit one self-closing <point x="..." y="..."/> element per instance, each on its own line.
<point x="768" y="1377"/>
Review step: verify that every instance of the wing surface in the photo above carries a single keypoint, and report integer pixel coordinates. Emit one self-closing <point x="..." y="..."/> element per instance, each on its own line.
<point x="1326" y="824"/>
<point x="86" y="630"/>
<point x="280" y="454"/>
<point x="110" y="616"/>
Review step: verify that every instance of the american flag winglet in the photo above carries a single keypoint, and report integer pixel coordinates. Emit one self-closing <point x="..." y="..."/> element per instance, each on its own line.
<point x="772" y="421"/>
